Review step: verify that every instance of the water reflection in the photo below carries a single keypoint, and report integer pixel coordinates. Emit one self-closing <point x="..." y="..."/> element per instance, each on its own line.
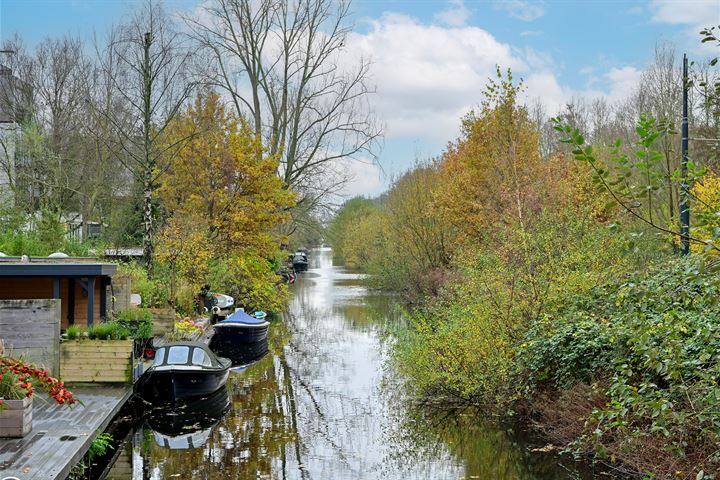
<point x="323" y="404"/>
<point x="188" y="424"/>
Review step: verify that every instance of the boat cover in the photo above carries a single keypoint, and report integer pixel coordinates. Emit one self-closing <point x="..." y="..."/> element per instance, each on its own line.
<point x="242" y="318"/>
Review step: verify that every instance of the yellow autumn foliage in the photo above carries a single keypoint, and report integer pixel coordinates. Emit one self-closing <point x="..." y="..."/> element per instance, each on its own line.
<point x="223" y="200"/>
<point x="705" y="207"/>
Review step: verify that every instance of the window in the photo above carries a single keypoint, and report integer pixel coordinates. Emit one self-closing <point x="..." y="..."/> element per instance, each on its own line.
<point x="200" y="357"/>
<point x="159" y="356"/>
<point x="178" y="355"/>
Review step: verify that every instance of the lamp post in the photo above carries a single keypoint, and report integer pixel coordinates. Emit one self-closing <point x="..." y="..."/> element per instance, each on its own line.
<point x="684" y="187"/>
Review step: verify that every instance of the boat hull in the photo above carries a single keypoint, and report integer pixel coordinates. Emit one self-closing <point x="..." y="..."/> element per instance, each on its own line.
<point x="240" y="334"/>
<point x="300" y="266"/>
<point x="179" y="383"/>
<point x="239" y="353"/>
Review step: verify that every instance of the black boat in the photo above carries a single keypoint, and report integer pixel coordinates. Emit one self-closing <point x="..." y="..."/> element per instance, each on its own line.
<point x="240" y="337"/>
<point x="184" y="370"/>
<point x="300" y="262"/>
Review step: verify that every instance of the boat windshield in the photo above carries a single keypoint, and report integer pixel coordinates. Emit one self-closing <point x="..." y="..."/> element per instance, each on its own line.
<point x="159" y="356"/>
<point x="178" y="355"/>
<point x="201" y="358"/>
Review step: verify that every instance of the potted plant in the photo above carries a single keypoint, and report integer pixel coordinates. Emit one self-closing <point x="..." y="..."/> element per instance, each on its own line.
<point x="139" y="322"/>
<point x="18" y="383"/>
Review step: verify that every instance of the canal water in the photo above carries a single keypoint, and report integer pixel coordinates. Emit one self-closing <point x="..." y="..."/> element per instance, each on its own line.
<point x="326" y="404"/>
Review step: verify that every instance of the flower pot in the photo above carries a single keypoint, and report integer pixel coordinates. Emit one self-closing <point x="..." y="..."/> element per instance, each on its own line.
<point x="16" y="419"/>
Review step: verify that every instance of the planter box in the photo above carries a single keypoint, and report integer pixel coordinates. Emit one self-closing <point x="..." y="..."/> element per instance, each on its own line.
<point x="16" y="421"/>
<point x="163" y="320"/>
<point x="102" y="361"/>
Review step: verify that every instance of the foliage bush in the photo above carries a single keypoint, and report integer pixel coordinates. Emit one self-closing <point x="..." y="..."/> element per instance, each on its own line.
<point x="108" y="331"/>
<point x="464" y="343"/>
<point x="138" y="322"/>
<point x="654" y="339"/>
<point x="153" y="292"/>
<point x="16" y="242"/>
<point x="73" y="332"/>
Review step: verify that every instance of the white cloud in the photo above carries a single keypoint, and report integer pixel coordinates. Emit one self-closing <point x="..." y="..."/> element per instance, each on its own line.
<point x="545" y="87"/>
<point x="614" y="85"/>
<point x="455" y="16"/>
<point x="366" y="178"/>
<point x="694" y="14"/>
<point x="690" y="12"/>
<point x="524" y="10"/>
<point x="622" y="82"/>
<point x="429" y="76"/>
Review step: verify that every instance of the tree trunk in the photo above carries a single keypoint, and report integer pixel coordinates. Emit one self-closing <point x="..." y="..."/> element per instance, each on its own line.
<point x="148" y="167"/>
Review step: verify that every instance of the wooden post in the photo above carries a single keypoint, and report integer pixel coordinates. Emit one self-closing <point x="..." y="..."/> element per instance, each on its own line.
<point x="103" y="298"/>
<point x="56" y="287"/>
<point x="91" y="300"/>
<point x="71" y="301"/>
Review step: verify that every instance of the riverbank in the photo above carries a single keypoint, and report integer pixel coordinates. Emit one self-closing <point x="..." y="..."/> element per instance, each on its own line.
<point x="625" y="372"/>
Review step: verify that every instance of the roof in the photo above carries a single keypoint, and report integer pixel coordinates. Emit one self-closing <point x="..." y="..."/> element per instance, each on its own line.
<point x="55" y="267"/>
<point x="124" y="252"/>
<point x="185" y="343"/>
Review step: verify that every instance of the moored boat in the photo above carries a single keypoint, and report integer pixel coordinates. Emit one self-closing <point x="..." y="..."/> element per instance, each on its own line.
<point x="184" y="370"/>
<point x="300" y="262"/>
<point x="241" y="337"/>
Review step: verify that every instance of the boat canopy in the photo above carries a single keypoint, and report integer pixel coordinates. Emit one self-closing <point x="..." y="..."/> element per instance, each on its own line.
<point x="186" y="353"/>
<point x="243" y="318"/>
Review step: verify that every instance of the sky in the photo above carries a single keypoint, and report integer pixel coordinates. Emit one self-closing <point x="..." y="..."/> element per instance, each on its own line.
<point x="431" y="59"/>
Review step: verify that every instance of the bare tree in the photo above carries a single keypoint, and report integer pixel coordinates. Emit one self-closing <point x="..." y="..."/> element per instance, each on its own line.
<point x="46" y="100"/>
<point x="147" y="64"/>
<point x="280" y="63"/>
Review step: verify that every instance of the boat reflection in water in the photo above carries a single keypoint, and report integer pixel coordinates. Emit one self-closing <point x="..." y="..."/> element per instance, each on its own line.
<point x="188" y="424"/>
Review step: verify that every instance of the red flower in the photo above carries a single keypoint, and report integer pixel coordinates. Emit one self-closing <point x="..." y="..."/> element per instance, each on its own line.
<point x="27" y="374"/>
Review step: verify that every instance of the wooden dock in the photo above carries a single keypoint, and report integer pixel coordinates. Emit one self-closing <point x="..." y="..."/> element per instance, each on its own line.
<point x="61" y="436"/>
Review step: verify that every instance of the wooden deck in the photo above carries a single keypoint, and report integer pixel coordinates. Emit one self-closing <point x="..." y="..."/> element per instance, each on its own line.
<point x="60" y="436"/>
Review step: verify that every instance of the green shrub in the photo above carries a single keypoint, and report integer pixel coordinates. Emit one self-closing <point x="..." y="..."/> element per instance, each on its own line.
<point x="138" y="321"/>
<point x="18" y="242"/>
<point x="73" y="332"/>
<point x="108" y="331"/>
<point x="154" y="292"/>
<point x="654" y="339"/>
<point x="464" y="343"/>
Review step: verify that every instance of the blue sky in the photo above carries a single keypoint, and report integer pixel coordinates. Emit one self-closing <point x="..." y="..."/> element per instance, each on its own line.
<point x="430" y="58"/>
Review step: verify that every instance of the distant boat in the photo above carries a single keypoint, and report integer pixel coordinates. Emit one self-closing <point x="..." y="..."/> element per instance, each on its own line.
<point x="300" y="262"/>
<point x="241" y="337"/>
<point x="219" y="305"/>
<point x="184" y="370"/>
